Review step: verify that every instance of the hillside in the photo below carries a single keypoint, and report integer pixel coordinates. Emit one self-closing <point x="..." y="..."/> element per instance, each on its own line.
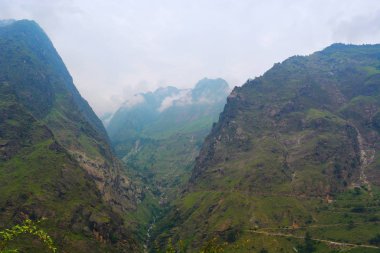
<point x="55" y="158"/>
<point x="159" y="134"/>
<point x="291" y="165"/>
<point x="294" y="151"/>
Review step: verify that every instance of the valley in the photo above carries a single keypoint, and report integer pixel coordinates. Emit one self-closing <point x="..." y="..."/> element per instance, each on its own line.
<point x="159" y="137"/>
<point x="297" y="163"/>
<point x="287" y="162"/>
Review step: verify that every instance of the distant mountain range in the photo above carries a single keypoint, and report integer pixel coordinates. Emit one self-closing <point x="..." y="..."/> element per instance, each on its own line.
<point x="153" y="113"/>
<point x="159" y="133"/>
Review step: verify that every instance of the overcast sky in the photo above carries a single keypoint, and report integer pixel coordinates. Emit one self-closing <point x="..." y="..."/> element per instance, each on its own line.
<point x="117" y="48"/>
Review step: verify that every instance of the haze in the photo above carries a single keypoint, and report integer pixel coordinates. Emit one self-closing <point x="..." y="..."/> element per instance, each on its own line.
<point x="115" y="49"/>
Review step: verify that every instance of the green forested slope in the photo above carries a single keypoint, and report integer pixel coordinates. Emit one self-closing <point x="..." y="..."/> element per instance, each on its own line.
<point x="294" y="150"/>
<point x="55" y="159"/>
<point x="159" y="134"/>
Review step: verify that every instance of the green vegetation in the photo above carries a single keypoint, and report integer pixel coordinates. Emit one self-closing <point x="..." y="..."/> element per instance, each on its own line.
<point x="294" y="154"/>
<point x="375" y="240"/>
<point x="28" y="227"/>
<point x="308" y="246"/>
<point x="55" y="159"/>
<point x="160" y="146"/>
<point x="291" y="165"/>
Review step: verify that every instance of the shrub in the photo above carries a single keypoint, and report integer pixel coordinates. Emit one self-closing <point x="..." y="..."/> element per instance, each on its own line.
<point x="27" y="227"/>
<point x="375" y="240"/>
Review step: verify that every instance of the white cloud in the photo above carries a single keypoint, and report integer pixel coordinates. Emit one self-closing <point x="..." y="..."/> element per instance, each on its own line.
<point x="205" y="100"/>
<point x="184" y="97"/>
<point x="181" y="98"/>
<point x="133" y="101"/>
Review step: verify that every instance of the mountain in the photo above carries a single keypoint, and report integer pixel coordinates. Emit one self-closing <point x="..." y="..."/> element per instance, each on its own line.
<point x="106" y="118"/>
<point x="294" y="151"/>
<point x="158" y="134"/>
<point x="55" y="157"/>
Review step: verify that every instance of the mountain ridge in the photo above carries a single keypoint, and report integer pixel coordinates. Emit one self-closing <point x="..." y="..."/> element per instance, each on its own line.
<point x="293" y="150"/>
<point x="158" y="134"/>
<point x="56" y="153"/>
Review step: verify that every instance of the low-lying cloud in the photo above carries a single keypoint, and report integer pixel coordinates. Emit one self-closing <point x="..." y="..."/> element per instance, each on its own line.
<point x="181" y="98"/>
<point x="133" y="101"/>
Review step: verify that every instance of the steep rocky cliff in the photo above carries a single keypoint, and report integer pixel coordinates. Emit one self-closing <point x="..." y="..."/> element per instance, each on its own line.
<point x="55" y="159"/>
<point x="294" y="150"/>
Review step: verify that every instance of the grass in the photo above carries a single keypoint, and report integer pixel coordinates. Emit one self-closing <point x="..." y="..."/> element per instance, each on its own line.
<point x="314" y="114"/>
<point x="39" y="178"/>
<point x="371" y="70"/>
<point x="242" y="211"/>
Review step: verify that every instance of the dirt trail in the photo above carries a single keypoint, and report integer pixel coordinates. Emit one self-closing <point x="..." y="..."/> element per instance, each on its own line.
<point x="320" y="226"/>
<point x="333" y="243"/>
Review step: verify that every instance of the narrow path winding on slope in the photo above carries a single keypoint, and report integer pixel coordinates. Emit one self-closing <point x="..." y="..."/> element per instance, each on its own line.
<point x="333" y="243"/>
<point x="320" y="226"/>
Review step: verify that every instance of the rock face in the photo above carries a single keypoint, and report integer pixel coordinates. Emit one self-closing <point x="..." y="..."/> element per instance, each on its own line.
<point x="291" y="147"/>
<point x="309" y="111"/>
<point x="158" y="134"/>
<point x="49" y="127"/>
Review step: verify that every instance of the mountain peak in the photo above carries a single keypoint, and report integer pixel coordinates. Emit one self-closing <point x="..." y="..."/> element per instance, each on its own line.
<point x="166" y="89"/>
<point x="6" y="22"/>
<point x="210" y="90"/>
<point x="67" y="162"/>
<point x="205" y="91"/>
<point x="211" y="83"/>
<point x="342" y="47"/>
<point x="290" y="149"/>
<point x="20" y="25"/>
<point x="145" y="108"/>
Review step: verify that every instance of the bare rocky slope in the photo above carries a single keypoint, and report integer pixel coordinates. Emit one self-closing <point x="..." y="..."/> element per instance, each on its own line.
<point x="294" y="151"/>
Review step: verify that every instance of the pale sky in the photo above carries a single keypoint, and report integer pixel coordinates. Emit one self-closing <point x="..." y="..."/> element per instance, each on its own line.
<point x="116" y="48"/>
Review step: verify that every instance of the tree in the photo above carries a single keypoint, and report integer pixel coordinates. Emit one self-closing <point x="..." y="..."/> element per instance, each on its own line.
<point x="27" y="227"/>
<point x="350" y="225"/>
<point x="170" y="247"/>
<point x="212" y="246"/>
<point x="375" y="240"/>
<point x="308" y="245"/>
